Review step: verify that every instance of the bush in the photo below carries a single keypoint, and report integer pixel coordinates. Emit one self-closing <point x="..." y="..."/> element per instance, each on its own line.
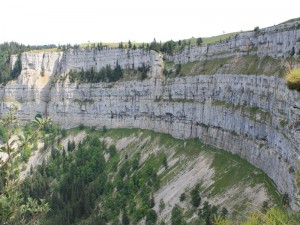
<point x="151" y="217"/>
<point x="177" y="217"/>
<point x="3" y="133"/>
<point x="81" y="126"/>
<point x="292" y="79"/>
<point x="112" y="150"/>
<point x="195" y="196"/>
<point x="26" y="154"/>
<point x="104" y="129"/>
<point x="182" y="197"/>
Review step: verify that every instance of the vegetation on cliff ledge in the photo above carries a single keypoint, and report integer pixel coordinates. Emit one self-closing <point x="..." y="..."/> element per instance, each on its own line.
<point x="108" y="74"/>
<point x="292" y="79"/>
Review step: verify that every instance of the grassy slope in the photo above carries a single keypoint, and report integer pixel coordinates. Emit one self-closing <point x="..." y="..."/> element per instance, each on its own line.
<point x="230" y="170"/>
<point x="241" y="65"/>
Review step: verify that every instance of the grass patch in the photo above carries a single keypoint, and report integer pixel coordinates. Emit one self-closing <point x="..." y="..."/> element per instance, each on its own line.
<point x="292" y="79"/>
<point x="291" y="20"/>
<point x="283" y="123"/>
<point x="122" y="132"/>
<point x="247" y="65"/>
<point x="253" y="113"/>
<point x="111" y="44"/>
<point x="218" y="38"/>
<point x="46" y="50"/>
<point x="208" y="40"/>
<point x="230" y="169"/>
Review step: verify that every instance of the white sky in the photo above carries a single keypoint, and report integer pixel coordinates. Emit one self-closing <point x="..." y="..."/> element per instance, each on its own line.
<point x="64" y="21"/>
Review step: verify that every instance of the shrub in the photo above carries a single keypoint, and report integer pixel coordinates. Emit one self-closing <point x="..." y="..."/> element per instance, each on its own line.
<point x="151" y="217"/>
<point x="195" y="196"/>
<point x="182" y="197"/>
<point x="112" y="150"/>
<point x="162" y="205"/>
<point x="81" y="126"/>
<point x="292" y="79"/>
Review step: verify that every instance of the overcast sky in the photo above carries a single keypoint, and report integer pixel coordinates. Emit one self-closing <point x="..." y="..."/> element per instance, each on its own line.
<point x="79" y="21"/>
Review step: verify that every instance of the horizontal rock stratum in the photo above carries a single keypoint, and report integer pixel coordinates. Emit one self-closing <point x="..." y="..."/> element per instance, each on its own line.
<point x="254" y="116"/>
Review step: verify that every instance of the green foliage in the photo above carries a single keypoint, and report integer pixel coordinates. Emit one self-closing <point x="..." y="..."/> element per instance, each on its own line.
<point x="16" y="208"/>
<point x="178" y="69"/>
<point x="74" y="184"/>
<point x="242" y="65"/>
<point x="273" y="216"/>
<point x="106" y="74"/>
<point x="112" y="150"/>
<point x="164" y="161"/>
<point x="71" y="146"/>
<point x="26" y="154"/>
<point x="155" y="46"/>
<point x="3" y="133"/>
<point x="151" y="217"/>
<point x="17" y="68"/>
<point x="6" y="50"/>
<point x="182" y="197"/>
<point x="177" y="217"/>
<point x="125" y="219"/>
<point x="162" y="205"/>
<point x="121" y="190"/>
<point x="12" y="48"/>
<point x="285" y="200"/>
<point x="81" y="126"/>
<point x="168" y="47"/>
<point x="63" y="133"/>
<point x="86" y="172"/>
<point x="144" y="70"/>
<point x="13" y="210"/>
<point x="199" y="41"/>
<point x="121" y="45"/>
<point x="129" y="44"/>
<point x="195" y="196"/>
<point x="104" y="129"/>
<point x="208" y="213"/>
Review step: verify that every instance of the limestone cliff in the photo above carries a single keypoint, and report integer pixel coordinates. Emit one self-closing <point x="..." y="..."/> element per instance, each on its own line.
<point x="279" y="41"/>
<point x="254" y="116"/>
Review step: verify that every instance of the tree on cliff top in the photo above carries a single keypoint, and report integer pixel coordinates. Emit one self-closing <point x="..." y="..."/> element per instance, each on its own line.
<point x="199" y="41"/>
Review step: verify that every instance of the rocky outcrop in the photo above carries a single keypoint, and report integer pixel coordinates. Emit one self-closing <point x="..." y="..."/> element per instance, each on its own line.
<point x="279" y="41"/>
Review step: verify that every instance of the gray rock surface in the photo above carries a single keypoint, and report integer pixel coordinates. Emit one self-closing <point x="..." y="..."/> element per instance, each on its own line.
<point x="276" y="41"/>
<point x="51" y="63"/>
<point x="256" y="117"/>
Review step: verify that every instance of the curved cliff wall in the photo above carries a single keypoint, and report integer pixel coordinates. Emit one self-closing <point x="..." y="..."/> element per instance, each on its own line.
<point x="254" y="116"/>
<point x="279" y="41"/>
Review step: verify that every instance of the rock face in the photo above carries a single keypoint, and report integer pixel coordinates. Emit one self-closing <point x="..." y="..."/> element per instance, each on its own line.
<point x="254" y="116"/>
<point x="57" y="63"/>
<point x="279" y="41"/>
